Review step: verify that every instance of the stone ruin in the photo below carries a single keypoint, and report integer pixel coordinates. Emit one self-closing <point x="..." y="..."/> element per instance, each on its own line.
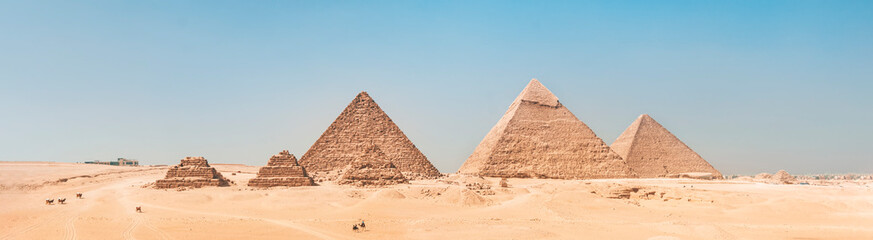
<point x="371" y="169"/>
<point x="281" y="170"/>
<point x="780" y="177"/>
<point x="538" y="137"/>
<point x="192" y="172"/>
<point x="363" y="123"/>
<point x="651" y="151"/>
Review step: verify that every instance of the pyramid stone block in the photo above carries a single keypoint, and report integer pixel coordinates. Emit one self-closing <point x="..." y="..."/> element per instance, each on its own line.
<point x="192" y="172"/>
<point x="540" y="138"/>
<point x="281" y="170"/>
<point x="371" y="169"/>
<point x="362" y="123"/>
<point x="652" y="151"/>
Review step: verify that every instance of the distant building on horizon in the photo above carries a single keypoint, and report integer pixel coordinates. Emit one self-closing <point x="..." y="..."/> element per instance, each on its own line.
<point x="120" y="162"/>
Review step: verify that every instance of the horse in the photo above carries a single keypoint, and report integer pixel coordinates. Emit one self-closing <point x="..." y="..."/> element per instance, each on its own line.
<point x="138" y="209"/>
<point x="78" y="195"/>
<point x="363" y="225"/>
<point x="62" y="200"/>
<point x="355" y="227"/>
<point x="49" y="201"/>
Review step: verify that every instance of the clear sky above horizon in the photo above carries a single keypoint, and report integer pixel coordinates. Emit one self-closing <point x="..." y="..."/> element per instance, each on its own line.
<point x="752" y="86"/>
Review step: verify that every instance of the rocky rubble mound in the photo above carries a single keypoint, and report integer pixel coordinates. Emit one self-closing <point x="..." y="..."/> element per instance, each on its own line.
<point x="281" y="170"/>
<point x="192" y="172"/>
<point x="763" y="176"/>
<point x="780" y="177"/>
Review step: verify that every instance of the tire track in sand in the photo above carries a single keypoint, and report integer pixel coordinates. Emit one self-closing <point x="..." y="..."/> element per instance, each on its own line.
<point x="138" y="219"/>
<point x="285" y="223"/>
<point x="128" y="232"/>
<point x="70" y="228"/>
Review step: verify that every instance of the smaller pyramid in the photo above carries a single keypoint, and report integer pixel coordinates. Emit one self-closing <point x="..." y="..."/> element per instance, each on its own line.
<point x="192" y="172"/>
<point x="652" y="151"/>
<point x="281" y="170"/>
<point x="371" y="169"/>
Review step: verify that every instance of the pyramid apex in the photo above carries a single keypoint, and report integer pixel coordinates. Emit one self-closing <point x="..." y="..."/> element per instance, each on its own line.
<point x="537" y="93"/>
<point x="363" y="97"/>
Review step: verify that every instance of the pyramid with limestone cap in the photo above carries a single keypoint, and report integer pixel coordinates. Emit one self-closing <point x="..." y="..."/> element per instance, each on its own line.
<point x="281" y="170"/>
<point x="539" y="137"/>
<point x="652" y="151"/>
<point x="363" y="123"/>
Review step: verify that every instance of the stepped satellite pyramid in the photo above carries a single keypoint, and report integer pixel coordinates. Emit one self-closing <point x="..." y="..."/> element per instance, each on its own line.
<point x="192" y="172"/>
<point x="361" y="124"/>
<point x="652" y="151"/>
<point x="281" y="170"/>
<point x="540" y="138"/>
<point x="371" y="169"/>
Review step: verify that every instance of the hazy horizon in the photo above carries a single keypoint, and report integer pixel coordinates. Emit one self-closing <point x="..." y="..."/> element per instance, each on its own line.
<point x="750" y="86"/>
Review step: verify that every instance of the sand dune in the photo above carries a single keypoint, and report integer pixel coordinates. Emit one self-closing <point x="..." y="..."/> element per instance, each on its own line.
<point x="450" y="208"/>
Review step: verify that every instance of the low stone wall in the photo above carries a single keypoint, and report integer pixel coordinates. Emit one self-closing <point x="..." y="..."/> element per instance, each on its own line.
<point x="280" y="181"/>
<point x="190" y="182"/>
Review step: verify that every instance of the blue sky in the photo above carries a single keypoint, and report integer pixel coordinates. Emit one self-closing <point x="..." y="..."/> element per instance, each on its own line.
<point x="752" y="86"/>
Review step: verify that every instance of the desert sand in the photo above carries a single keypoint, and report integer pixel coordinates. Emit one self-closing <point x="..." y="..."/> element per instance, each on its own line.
<point x="452" y="207"/>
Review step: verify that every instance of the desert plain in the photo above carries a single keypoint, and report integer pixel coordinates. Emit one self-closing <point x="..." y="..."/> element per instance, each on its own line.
<point x="450" y="207"/>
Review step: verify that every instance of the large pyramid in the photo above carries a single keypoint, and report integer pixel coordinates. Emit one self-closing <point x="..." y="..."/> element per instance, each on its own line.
<point x="363" y="123"/>
<point x="539" y="137"/>
<point x="652" y="151"/>
<point x="281" y="170"/>
<point x="371" y="169"/>
<point x="192" y="172"/>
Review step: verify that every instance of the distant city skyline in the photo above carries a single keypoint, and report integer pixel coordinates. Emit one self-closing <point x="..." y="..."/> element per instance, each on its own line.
<point x="751" y="86"/>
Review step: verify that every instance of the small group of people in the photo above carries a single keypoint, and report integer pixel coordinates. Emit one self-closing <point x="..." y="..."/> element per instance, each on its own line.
<point x="359" y="227"/>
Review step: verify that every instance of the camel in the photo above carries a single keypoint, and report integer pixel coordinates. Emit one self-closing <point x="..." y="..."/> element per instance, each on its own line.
<point x="355" y="227"/>
<point x="79" y="195"/>
<point x="138" y="209"/>
<point x="363" y="225"/>
<point x="49" y="201"/>
<point x="62" y="200"/>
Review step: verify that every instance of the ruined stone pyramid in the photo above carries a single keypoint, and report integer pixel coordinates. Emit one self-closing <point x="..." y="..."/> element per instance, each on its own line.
<point x="281" y="170"/>
<point x="372" y="168"/>
<point x="652" y="151"/>
<point x="540" y="138"/>
<point x="192" y="172"/>
<point x="360" y="124"/>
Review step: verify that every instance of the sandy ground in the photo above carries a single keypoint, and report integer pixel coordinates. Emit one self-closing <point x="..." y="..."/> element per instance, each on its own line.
<point x="433" y="209"/>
